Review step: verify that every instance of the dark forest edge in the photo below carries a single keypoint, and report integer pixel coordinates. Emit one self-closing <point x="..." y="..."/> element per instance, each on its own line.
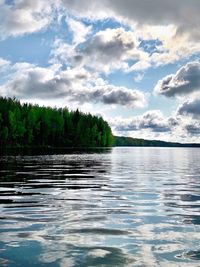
<point x="27" y="125"/>
<point x="32" y="126"/>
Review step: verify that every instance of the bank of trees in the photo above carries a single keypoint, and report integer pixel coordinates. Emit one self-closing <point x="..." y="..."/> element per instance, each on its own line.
<point x="32" y="125"/>
<point x="129" y="141"/>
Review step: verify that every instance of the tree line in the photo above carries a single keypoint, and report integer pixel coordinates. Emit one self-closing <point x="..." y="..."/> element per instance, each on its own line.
<point x="129" y="141"/>
<point x="33" y="125"/>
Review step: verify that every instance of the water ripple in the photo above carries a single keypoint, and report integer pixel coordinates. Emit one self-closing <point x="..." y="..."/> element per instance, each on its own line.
<point x="125" y="207"/>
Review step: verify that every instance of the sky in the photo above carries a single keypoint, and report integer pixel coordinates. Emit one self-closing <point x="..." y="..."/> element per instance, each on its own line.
<point x="133" y="62"/>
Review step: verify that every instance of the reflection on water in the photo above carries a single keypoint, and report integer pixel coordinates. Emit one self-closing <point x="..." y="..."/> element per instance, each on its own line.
<point x="120" y="207"/>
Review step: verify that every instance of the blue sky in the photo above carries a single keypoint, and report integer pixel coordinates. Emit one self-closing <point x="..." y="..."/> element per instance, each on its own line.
<point x="136" y="63"/>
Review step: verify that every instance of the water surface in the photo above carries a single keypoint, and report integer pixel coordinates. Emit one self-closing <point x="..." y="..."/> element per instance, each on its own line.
<point x="121" y="207"/>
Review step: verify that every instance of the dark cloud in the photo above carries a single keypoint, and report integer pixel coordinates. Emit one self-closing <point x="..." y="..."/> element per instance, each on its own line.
<point x="121" y="96"/>
<point x="184" y="82"/>
<point x="193" y="128"/>
<point x="190" y="107"/>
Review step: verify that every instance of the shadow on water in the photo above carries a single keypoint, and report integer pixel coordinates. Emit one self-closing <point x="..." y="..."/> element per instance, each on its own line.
<point x="14" y="151"/>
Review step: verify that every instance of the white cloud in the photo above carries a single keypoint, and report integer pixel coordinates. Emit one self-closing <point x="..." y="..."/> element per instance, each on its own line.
<point x="4" y="64"/>
<point x="62" y="53"/>
<point x="24" y="17"/>
<point x="79" y="30"/>
<point x="138" y="77"/>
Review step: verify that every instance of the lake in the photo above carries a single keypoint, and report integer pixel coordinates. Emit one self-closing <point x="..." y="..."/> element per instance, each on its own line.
<point x="115" y="207"/>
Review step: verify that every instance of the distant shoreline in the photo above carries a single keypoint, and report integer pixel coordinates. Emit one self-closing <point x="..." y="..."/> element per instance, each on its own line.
<point x="122" y="141"/>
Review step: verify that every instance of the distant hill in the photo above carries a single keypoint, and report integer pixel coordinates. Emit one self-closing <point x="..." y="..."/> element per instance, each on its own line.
<point x="129" y="141"/>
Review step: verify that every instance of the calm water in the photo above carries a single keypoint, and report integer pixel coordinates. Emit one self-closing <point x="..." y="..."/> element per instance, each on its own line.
<point x="123" y="207"/>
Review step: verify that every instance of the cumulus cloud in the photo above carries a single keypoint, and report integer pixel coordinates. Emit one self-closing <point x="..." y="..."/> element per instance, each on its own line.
<point x="105" y="51"/>
<point x="184" y="82"/>
<point x="190" y="108"/>
<point x="152" y="120"/>
<point x="193" y="128"/>
<point x="110" y="48"/>
<point x="155" y="121"/>
<point x="112" y="42"/>
<point x="23" y="17"/>
<point x="76" y="84"/>
<point x="174" y="23"/>
<point x="124" y="97"/>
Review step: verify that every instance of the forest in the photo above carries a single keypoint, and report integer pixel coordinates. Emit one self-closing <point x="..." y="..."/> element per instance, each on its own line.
<point x="30" y="125"/>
